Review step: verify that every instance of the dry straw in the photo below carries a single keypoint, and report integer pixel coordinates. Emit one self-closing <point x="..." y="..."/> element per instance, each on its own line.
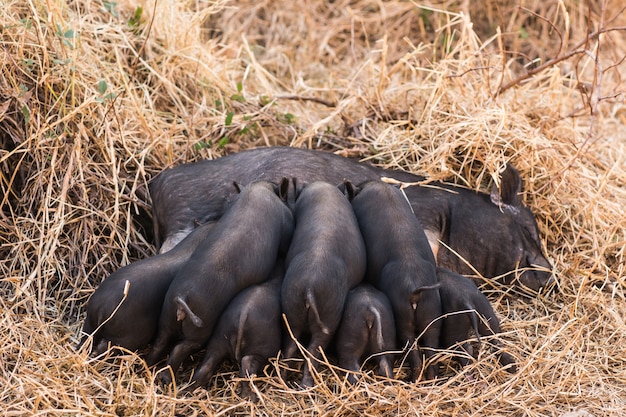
<point x="98" y="97"/>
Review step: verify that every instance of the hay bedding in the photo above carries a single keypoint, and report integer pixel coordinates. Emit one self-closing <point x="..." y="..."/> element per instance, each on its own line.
<point x="96" y="98"/>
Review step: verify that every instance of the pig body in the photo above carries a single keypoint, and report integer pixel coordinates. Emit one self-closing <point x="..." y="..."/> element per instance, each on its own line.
<point x="326" y="258"/>
<point x="401" y="265"/>
<point x="495" y="233"/>
<point x="367" y="329"/>
<point x="132" y="323"/>
<point x="466" y="309"/>
<point x="241" y="251"/>
<point x="248" y="332"/>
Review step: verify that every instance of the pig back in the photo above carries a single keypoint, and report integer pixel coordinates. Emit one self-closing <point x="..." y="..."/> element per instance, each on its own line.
<point x="326" y="228"/>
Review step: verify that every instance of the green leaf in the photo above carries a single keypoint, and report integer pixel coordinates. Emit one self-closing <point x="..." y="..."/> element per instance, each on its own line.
<point x="66" y="36"/>
<point x="110" y="6"/>
<point x="289" y="118"/>
<point x="61" y="61"/>
<point x="239" y="87"/>
<point x="26" y="114"/>
<point x="229" y="119"/>
<point x="201" y="145"/>
<point x="222" y="142"/>
<point x="523" y="33"/>
<point x="135" y="20"/>
<point x="27" y="22"/>
<point x="102" y="86"/>
<point x="264" y="100"/>
<point x="238" y="97"/>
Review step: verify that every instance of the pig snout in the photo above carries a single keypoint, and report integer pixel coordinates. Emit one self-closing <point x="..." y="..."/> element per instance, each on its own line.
<point x="538" y="275"/>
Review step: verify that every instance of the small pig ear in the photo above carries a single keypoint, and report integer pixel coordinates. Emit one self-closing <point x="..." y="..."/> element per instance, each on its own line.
<point x="348" y="189"/>
<point x="507" y="197"/>
<point x="283" y="189"/>
<point x="297" y="188"/>
<point x="237" y="186"/>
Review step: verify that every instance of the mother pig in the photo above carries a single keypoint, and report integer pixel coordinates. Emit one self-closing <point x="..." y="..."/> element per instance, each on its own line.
<point x="494" y="233"/>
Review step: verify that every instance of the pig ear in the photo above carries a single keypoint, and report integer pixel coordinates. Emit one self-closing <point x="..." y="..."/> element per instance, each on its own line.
<point x="348" y="189"/>
<point x="237" y="186"/>
<point x="283" y="189"/>
<point x="507" y="197"/>
<point x="297" y="188"/>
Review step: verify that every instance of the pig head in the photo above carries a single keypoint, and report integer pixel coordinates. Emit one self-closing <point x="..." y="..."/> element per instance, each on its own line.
<point x="494" y="235"/>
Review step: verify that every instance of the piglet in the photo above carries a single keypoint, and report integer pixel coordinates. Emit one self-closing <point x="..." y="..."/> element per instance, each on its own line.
<point x="132" y="322"/>
<point x="367" y="329"/>
<point x="466" y="308"/>
<point x="241" y="252"/>
<point x="401" y="264"/>
<point x="325" y="260"/>
<point x="248" y="331"/>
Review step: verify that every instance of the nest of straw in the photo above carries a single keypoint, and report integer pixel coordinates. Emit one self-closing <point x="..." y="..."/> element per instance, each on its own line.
<point x="98" y="97"/>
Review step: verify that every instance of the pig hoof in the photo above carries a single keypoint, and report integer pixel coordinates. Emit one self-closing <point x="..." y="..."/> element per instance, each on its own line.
<point x="352" y="379"/>
<point x="306" y="383"/>
<point x="511" y="368"/>
<point x="164" y="378"/>
<point x="249" y="395"/>
<point x="508" y="362"/>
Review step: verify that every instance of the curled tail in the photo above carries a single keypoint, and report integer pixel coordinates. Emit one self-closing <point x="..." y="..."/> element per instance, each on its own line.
<point x="312" y="306"/>
<point x="243" y="317"/>
<point x="474" y="318"/>
<point x="376" y="322"/>
<point x="183" y="311"/>
<point x="417" y="294"/>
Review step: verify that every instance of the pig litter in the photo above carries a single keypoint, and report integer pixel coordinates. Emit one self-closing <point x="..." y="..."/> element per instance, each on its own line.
<point x="97" y="98"/>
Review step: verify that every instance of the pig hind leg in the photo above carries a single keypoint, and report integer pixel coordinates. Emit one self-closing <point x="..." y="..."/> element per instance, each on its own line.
<point x="250" y="365"/>
<point x="319" y="340"/>
<point x="290" y="346"/>
<point x="492" y="328"/>
<point x="350" y="361"/>
<point x="455" y="336"/>
<point x="205" y="371"/>
<point x="429" y="342"/>
<point x="322" y="324"/>
<point x="385" y="366"/>
<point x="159" y="347"/>
<point x="352" y="342"/>
<point x="180" y="352"/>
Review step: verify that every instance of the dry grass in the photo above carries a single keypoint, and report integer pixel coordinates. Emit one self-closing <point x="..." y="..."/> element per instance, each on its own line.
<point x="401" y="84"/>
